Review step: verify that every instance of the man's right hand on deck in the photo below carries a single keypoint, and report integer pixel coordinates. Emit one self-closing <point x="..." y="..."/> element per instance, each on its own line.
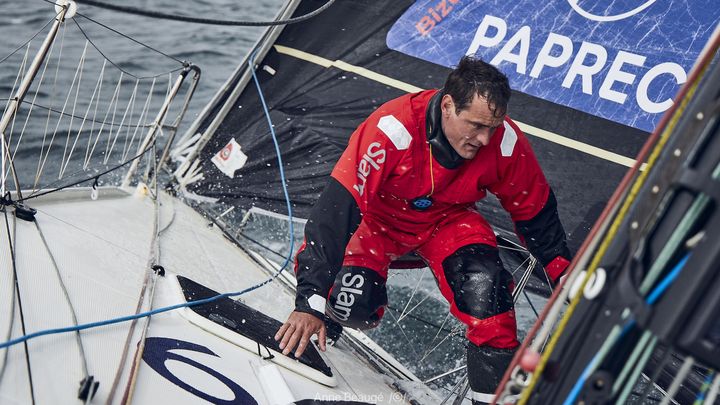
<point x="297" y="330"/>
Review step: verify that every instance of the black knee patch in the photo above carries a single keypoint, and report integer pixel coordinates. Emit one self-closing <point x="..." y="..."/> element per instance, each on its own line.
<point x="358" y="298"/>
<point x="480" y="284"/>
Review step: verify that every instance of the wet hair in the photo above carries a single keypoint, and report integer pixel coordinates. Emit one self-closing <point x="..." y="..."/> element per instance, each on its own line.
<point x="473" y="76"/>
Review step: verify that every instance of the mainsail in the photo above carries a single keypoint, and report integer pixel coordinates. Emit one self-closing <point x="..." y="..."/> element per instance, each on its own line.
<point x="323" y="76"/>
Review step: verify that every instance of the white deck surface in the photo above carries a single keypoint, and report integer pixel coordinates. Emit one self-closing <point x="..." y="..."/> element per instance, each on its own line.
<point x="102" y="249"/>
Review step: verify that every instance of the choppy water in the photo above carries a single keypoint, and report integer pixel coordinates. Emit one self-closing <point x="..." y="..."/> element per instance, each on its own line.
<point x="416" y="339"/>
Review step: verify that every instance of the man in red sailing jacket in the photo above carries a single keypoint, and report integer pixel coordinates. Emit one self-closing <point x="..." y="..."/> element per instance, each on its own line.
<point x="408" y="181"/>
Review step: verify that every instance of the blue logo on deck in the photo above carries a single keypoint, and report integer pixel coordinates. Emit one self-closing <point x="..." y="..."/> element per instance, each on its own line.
<point x="622" y="60"/>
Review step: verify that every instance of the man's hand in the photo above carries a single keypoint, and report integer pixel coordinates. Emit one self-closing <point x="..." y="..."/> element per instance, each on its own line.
<point x="297" y="330"/>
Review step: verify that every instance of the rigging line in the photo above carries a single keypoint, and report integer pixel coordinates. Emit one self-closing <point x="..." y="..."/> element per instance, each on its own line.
<point x="700" y="398"/>
<point x="413" y="308"/>
<point x="616" y="334"/>
<point x="452" y="333"/>
<point x="37" y="90"/>
<point x="407" y="338"/>
<point x="288" y="258"/>
<point x="679" y="234"/>
<point x="714" y="388"/>
<point x="261" y="245"/>
<point x="19" y="299"/>
<point x="81" y="70"/>
<point x="407" y="304"/>
<point x="141" y="118"/>
<point x="37" y="194"/>
<point x="630" y="186"/>
<point x="439" y="329"/>
<point x="129" y="337"/>
<point x="41" y="162"/>
<point x="153" y="261"/>
<point x="96" y="91"/>
<point x="29" y="40"/>
<point x="459" y="387"/>
<point x="206" y="21"/>
<point x="73" y="314"/>
<point x="422" y="320"/>
<point x="85" y="231"/>
<point x="679" y="378"/>
<point x="634" y="366"/>
<point x="118" y="66"/>
<point x="18" y="82"/>
<point x="57" y="125"/>
<point x="532" y="306"/>
<point x="119" y="33"/>
<point x="131" y="102"/>
<point x="527" y="259"/>
<point x="114" y="113"/>
<point x="445" y="374"/>
<point x="11" y="316"/>
<point x="659" y="367"/>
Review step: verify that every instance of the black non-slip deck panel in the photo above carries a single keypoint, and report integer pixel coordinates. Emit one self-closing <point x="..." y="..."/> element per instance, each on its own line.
<point x="245" y="321"/>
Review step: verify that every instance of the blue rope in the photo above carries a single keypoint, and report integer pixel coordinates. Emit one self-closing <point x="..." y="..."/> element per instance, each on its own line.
<point x="651" y="299"/>
<point x="189" y="304"/>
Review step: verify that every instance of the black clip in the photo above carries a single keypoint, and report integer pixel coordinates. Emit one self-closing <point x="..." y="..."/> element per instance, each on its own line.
<point x="159" y="270"/>
<point x="269" y="356"/>
<point x="24" y="212"/>
<point x="88" y="388"/>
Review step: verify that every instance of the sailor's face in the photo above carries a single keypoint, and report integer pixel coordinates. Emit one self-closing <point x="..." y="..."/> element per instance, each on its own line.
<point x="472" y="129"/>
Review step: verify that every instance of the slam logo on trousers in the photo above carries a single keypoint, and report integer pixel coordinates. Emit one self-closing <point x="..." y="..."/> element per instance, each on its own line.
<point x="350" y="287"/>
<point x="622" y="60"/>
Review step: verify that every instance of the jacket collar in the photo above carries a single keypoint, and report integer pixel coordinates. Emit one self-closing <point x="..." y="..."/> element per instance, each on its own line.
<point x="442" y="151"/>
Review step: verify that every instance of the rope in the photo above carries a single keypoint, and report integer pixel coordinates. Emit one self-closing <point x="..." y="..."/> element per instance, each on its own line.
<point x="120" y="68"/>
<point x="29" y="40"/>
<point x="81" y="347"/>
<point x="16" y="287"/>
<point x="189" y="304"/>
<point x="206" y="21"/>
<point x="11" y="315"/>
<point x="93" y="177"/>
<point x="616" y="335"/>
<point x="153" y="263"/>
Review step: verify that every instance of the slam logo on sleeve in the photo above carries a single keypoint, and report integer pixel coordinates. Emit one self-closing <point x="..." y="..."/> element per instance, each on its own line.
<point x="622" y="60"/>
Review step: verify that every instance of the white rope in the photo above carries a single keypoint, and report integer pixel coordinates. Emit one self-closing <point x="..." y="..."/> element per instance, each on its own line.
<point x="451" y="333"/>
<point x="5" y="148"/>
<point x="41" y="163"/>
<point x="94" y="118"/>
<point x="143" y="114"/>
<point x="81" y="69"/>
<point x="407" y="304"/>
<point x="18" y="78"/>
<point x="62" y="114"/>
<point x="129" y="107"/>
<point x="112" y="121"/>
<point x="98" y="86"/>
<point x="407" y="338"/>
<point x="447" y="316"/>
<point x="32" y="104"/>
<point x="414" y="307"/>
